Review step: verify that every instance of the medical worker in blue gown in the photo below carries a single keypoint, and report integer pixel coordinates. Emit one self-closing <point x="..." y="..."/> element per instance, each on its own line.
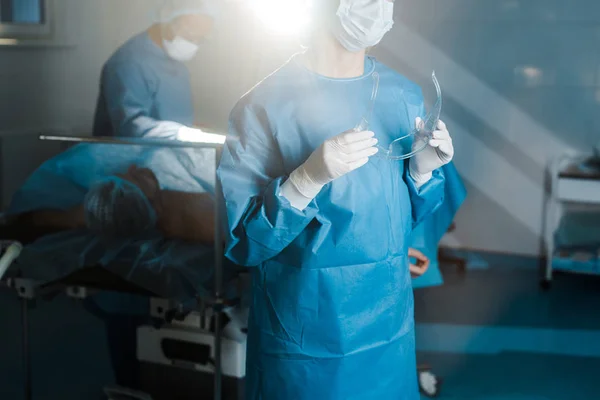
<point x="323" y="222"/>
<point x="145" y="88"/>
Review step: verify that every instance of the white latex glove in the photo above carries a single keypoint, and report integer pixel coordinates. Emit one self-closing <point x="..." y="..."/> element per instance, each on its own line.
<point x="197" y="135"/>
<point x="438" y="153"/>
<point x="187" y="134"/>
<point x="334" y="158"/>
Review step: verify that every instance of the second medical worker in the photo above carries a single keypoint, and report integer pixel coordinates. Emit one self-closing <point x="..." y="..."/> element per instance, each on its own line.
<point x="145" y="88"/>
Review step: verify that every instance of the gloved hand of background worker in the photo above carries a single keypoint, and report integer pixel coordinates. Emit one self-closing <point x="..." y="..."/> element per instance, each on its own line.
<point x="334" y="158"/>
<point x="438" y="153"/>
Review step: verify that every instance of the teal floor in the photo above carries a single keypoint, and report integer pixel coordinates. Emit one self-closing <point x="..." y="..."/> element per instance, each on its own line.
<point x="516" y="376"/>
<point x="491" y="335"/>
<point x="494" y="335"/>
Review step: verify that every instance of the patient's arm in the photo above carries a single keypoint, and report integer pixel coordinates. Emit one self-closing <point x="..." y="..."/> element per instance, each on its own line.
<point x="30" y="226"/>
<point x="182" y="215"/>
<point x="187" y="216"/>
<point x="50" y="221"/>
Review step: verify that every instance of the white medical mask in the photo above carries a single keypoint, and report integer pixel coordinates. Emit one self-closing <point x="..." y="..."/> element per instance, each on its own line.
<point x="363" y="23"/>
<point x="180" y="49"/>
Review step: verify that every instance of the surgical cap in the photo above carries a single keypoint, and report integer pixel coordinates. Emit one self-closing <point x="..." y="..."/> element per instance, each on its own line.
<point x="172" y="9"/>
<point x="116" y="207"/>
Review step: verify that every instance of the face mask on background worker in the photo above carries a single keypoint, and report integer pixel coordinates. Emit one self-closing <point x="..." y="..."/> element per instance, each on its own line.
<point x="362" y="23"/>
<point x="180" y="49"/>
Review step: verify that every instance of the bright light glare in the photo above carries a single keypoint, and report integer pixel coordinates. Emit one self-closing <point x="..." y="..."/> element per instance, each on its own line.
<point x="283" y="16"/>
<point x="198" y="136"/>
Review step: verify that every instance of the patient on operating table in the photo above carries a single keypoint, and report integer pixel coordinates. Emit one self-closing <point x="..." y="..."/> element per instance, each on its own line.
<point x="127" y="204"/>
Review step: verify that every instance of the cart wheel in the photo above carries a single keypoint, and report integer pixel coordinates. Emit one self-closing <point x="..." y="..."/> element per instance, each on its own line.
<point x="545" y="284"/>
<point x="429" y="384"/>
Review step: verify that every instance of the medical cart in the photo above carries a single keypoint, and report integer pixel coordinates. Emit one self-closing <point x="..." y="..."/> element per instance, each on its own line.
<point x="574" y="180"/>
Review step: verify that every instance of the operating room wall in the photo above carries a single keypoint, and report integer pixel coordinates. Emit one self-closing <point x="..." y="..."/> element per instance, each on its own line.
<point x="520" y="80"/>
<point x="55" y="86"/>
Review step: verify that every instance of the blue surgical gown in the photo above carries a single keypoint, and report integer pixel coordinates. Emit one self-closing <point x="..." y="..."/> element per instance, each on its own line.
<point x="427" y="235"/>
<point x="332" y="305"/>
<point x="143" y="93"/>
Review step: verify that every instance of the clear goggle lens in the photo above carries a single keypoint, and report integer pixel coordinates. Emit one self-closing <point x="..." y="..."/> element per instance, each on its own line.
<point x="406" y="146"/>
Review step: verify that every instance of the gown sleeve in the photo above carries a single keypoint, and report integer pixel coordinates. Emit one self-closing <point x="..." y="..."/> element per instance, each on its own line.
<point x="127" y="88"/>
<point x="428" y="198"/>
<point x="260" y="222"/>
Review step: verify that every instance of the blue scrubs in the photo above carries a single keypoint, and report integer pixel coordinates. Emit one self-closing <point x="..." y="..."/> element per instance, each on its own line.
<point x="427" y="235"/>
<point x="332" y="304"/>
<point x="143" y="93"/>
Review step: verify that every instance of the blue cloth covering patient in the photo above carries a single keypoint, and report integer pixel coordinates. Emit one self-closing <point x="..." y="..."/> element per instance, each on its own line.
<point x="148" y="260"/>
